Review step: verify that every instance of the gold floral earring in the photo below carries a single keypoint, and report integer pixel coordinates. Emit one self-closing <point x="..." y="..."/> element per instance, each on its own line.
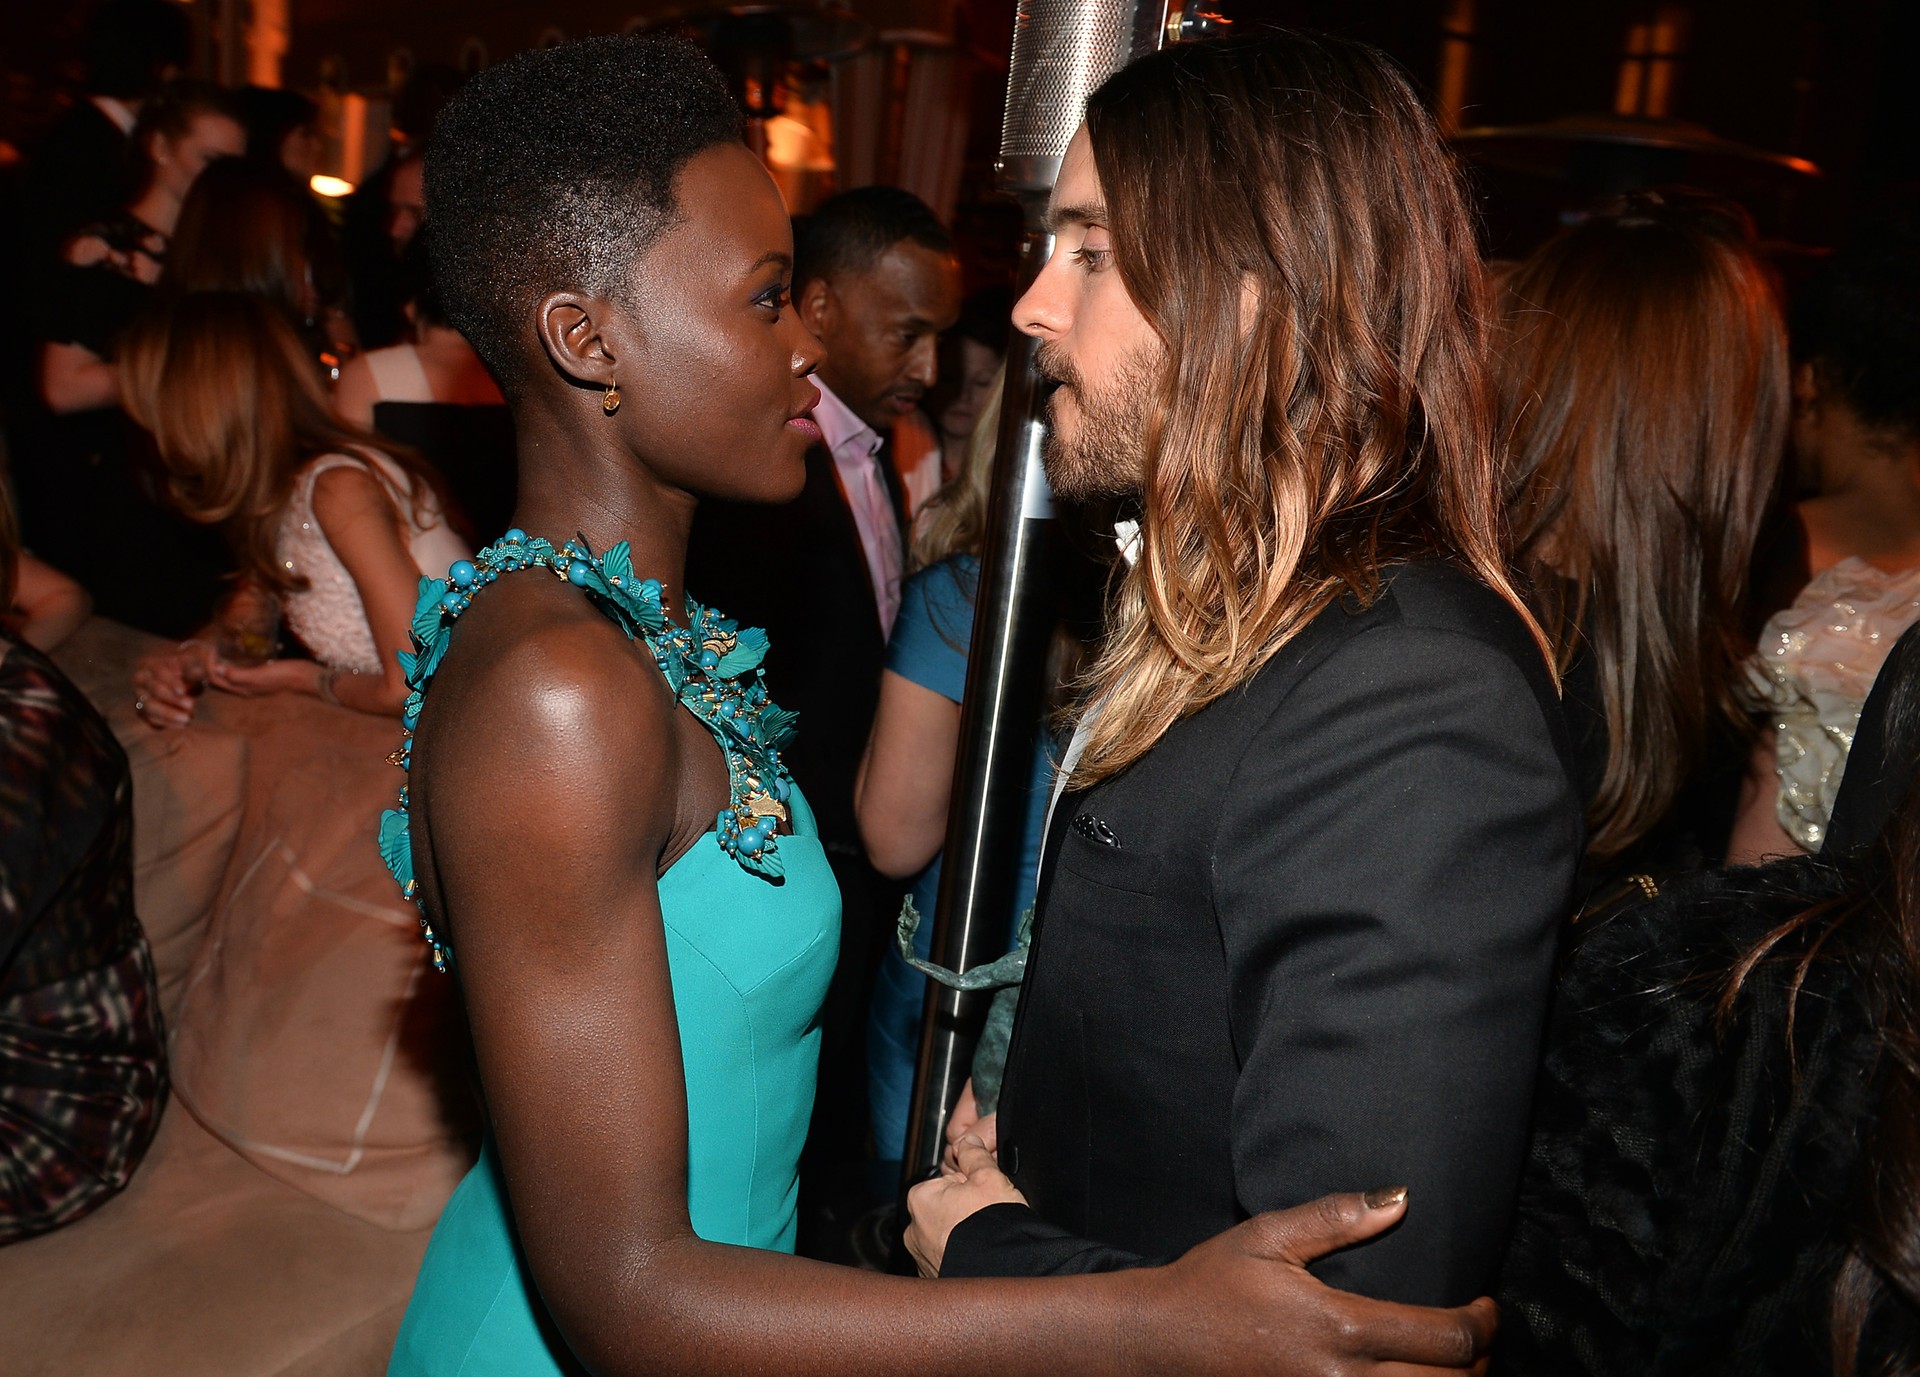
<point x="611" y="402"/>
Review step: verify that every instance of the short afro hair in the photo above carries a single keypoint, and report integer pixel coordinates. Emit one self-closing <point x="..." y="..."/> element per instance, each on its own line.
<point x="848" y="233"/>
<point x="556" y="169"/>
<point x="1858" y="322"/>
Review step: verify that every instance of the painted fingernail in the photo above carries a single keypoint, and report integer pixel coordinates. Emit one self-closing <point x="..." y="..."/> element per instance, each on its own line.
<point x="1384" y="1198"/>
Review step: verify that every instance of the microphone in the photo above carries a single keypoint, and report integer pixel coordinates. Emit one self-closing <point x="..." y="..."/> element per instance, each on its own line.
<point x="1062" y="50"/>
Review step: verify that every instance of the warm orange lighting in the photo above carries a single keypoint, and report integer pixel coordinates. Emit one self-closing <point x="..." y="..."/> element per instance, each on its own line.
<point x="323" y="185"/>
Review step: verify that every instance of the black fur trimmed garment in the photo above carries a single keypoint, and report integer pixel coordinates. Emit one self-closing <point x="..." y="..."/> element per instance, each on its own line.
<point x="1689" y="1183"/>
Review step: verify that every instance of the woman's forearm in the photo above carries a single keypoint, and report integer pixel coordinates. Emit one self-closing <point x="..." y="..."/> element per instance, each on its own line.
<point x="693" y="1308"/>
<point x="76" y="379"/>
<point x="374" y="694"/>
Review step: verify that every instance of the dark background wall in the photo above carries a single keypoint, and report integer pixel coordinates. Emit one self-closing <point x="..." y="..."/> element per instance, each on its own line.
<point x="1832" y="81"/>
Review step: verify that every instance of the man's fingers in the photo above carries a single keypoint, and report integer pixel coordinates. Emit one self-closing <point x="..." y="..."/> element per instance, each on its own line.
<point x="1423" y="1339"/>
<point x="965" y="1111"/>
<point x="1326" y="1225"/>
<point x="921" y="1196"/>
<point x="971" y="1157"/>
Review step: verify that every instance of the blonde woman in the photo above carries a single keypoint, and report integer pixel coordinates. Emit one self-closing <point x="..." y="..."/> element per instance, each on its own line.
<point x="329" y="532"/>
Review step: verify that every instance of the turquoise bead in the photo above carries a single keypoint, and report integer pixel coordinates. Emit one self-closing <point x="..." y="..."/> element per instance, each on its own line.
<point x="578" y="573"/>
<point x="515" y="536"/>
<point x="463" y="573"/>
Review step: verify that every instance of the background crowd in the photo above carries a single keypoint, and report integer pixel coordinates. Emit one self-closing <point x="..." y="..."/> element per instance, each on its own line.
<point x="239" y="429"/>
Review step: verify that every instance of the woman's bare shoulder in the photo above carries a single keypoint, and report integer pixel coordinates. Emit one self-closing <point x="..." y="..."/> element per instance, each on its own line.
<point x="536" y="680"/>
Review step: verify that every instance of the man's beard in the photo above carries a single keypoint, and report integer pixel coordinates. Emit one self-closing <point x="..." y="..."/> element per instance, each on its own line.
<point x="1105" y="457"/>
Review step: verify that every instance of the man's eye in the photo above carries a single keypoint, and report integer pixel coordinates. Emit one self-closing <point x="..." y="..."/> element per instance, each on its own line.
<point x="1093" y="260"/>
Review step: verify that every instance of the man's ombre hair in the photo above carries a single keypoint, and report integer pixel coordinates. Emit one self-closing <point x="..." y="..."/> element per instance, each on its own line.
<point x="1286" y="219"/>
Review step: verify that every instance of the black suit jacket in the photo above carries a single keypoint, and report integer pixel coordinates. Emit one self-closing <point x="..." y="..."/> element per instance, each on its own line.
<point x="1317" y="959"/>
<point x="799" y="572"/>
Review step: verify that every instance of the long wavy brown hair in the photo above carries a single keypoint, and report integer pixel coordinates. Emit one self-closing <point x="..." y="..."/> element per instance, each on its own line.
<point x="235" y="407"/>
<point x="1350" y="426"/>
<point x="1643" y="387"/>
<point x="249" y="227"/>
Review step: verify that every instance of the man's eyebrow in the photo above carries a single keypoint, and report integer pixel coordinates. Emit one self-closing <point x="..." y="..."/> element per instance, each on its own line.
<point x="1089" y="213"/>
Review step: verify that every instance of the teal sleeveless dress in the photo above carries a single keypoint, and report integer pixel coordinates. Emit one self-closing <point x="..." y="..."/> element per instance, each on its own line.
<point x="750" y="956"/>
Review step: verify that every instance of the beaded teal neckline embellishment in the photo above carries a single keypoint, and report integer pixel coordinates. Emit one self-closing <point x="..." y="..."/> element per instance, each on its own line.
<point x="711" y="665"/>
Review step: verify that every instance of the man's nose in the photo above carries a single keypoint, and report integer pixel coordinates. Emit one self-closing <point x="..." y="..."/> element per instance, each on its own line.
<point x="1042" y="311"/>
<point x="923" y="365"/>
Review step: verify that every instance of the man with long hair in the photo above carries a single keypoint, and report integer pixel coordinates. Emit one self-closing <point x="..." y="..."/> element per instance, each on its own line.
<point x="1316" y="832"/>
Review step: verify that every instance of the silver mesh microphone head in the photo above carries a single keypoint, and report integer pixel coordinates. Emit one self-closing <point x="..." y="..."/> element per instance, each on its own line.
<point x="1062" y="50"/>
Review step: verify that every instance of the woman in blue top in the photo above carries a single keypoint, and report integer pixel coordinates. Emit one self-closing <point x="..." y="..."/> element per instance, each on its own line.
<point x="900" y="796"/>
<point x="614" y="862"/>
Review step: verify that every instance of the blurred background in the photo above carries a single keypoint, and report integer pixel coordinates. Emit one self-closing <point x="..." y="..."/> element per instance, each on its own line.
<point x="1801" y="109"/>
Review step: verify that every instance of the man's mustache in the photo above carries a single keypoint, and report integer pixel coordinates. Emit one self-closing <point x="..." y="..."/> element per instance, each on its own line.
<point x="1055" y="367"/>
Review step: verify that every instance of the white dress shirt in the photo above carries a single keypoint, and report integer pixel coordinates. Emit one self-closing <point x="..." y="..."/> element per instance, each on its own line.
<point x="116" y="110"/>
<point x="855" y="447"/>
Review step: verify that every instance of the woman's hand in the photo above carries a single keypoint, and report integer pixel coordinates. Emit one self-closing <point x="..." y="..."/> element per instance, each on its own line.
<point x="1303" y="1325"/>
<point x="974" y="1183"/>
<point x="272" y="676"/>
<point x="167" y="684"/>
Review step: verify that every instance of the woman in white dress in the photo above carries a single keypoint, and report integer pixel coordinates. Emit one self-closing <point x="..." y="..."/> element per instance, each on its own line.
<point x="330" y="532"/>
<point x="1856" y="443"/>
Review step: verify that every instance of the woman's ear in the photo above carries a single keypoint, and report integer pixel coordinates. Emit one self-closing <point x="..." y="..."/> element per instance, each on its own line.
<point x="1806" y="387"/>
<point x="571" y="326"/>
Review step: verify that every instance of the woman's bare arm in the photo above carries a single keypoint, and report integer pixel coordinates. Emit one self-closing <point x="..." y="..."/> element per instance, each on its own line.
<point x="900" y="795"/>
<point x="74" y="378"/>
<point x="1757" y="835"/>
<point x="48" y="606"/>
<point x="363" y="527"/>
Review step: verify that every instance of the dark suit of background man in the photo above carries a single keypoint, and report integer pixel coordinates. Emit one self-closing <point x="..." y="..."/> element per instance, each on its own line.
<point x="1298" y="905"/>
<point x="875" y="278"/>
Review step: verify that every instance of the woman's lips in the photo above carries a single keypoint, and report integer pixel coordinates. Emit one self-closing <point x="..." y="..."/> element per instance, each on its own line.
<point x="804" y="422"/>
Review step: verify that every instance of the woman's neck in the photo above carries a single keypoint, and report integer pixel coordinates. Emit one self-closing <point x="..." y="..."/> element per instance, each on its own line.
<point x="575" y="482"/>
<point x="1872" y="511"/>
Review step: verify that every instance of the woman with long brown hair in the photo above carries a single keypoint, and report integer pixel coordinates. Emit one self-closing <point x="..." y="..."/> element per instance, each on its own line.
<point x="249" y="227"/>
<point x="334" y="529"/>
<point x="1643" y="385"/>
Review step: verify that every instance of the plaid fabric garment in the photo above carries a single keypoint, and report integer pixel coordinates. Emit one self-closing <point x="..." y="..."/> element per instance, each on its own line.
<point x="82" y="1059"/>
